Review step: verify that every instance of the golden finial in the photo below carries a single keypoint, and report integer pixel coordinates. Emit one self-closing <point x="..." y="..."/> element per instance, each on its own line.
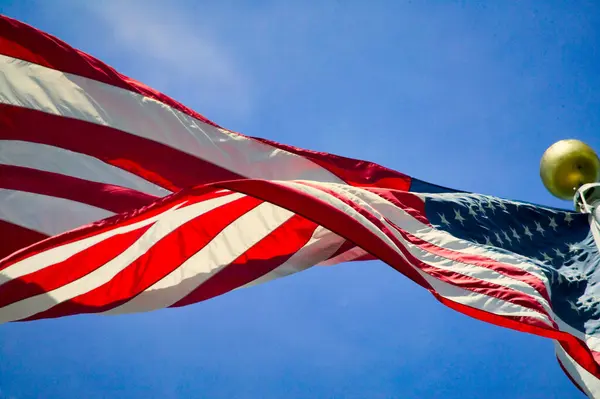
<point x="567" y="165"/>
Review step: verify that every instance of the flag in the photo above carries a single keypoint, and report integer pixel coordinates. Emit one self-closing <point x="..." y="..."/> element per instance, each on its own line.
<point x="114" y="198"/>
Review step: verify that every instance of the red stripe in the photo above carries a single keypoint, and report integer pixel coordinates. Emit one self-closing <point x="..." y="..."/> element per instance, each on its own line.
<point x="265" y="256"/>
<point x="596" y="356"/>
<point x="62" y="273"/>
<point x="519" y="323"/>
<point x="483" y="287"/>
<point x="15" y="237"/>
<point x="353" y="171"/>
<point x="106" y="196"/>
<point x="365" y="257"/>
<point x="575" y="348"/>
<point x="155" y="162"/>
<point x="409" y="202"/>
<point x="481" y="261"/>
<point x="120" y="220"/>
<point x="19" y="40"/>
<point x="157" y="262"/>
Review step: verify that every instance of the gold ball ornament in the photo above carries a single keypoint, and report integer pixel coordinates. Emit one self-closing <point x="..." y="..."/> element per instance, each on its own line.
<point x="567" y="165"/>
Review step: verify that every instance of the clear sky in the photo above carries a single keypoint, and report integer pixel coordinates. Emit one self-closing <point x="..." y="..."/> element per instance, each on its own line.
<point x="462" y="94"/>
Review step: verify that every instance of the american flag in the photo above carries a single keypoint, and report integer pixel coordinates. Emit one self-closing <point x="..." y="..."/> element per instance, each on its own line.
<point x="114" y="198"/>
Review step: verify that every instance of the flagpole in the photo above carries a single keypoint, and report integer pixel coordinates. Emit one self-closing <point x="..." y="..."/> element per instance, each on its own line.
<point x="592" y="194"/>
<point x="589" y="202"/>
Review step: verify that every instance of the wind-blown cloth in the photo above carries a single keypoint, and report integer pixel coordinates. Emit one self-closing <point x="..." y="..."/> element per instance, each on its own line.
<point x="115" y="198"/>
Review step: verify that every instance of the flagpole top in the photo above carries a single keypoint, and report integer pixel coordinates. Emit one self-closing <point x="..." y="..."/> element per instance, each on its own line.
<point x="567" y="165"/>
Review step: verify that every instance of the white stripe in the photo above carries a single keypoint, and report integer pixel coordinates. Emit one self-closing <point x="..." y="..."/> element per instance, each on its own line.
<point x="168" y="222"/>
<point x="586" y="381"/>
<point x="58" y="254"/>
<point x="477" y="272"/>
<point x="591" y="341"/>
<point x="46" y="214"/>
<point x="322" y="245"/>
<point x="69" y="163"/>
<point x="483" y="302"/>
<point x="445" y="240"/>
<point x="339" y="204"/>
<point x="39" y="88"/>
<point x="223" y="249"/>
<point x="347" y="256"/>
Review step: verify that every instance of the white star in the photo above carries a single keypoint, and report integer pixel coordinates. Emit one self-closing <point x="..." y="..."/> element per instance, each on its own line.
<point x="546" y="257"/>
<point x="574" y="247"/>
<point x="488" y="241"/>
<point x="472" y="212"/>
<point x="499" y="239"/>
<point x="490" y="206"/>
<point x="501" y="205"/>
<point x="480" y="207"/>
<point x="558" y="253"/>
<point x="458" y="216"/>
<point x="573" y="306"/>
<point x="515" y="235"/>
<point x="443" y="219"/>
<point x="538" y="228"/>
<point x="568" y="218"/>
<point x="506" y="237"/>
<point x="553" y="224"/>
<point x="528" y="232"/>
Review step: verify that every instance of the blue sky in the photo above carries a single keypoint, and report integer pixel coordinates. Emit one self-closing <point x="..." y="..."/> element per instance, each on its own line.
<point x="462" y="94"/>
